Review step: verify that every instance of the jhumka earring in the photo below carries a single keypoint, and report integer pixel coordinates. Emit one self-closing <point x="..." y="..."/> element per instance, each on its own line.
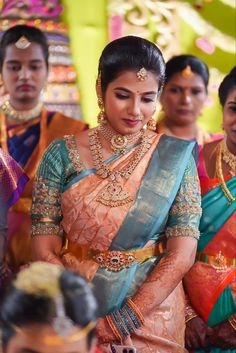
<point x="101" y="118"/>
<point x="151" y="124"/>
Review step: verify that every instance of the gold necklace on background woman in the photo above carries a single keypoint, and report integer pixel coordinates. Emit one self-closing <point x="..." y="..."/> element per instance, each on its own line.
<point x="22" y="120"/>
<point x="230" y="159"/>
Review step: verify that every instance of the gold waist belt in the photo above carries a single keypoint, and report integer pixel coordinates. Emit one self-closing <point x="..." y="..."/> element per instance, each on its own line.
<point x="113" y="260"/>
<point x="218" y="261"/>
<point x="23" y="205"/>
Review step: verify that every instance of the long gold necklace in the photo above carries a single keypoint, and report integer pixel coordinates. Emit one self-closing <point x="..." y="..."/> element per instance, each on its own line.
<point x="118" y="142"/>
<point x="114" y="194"/>
<point x="21" y="115"/>
<point x="219" y="174"/>
<point x="228" y="157"/>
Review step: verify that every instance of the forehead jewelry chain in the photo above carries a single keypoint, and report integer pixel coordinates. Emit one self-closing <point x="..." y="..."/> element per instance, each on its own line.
<point x="118" y="142"/>
<point x="114" y="193"/>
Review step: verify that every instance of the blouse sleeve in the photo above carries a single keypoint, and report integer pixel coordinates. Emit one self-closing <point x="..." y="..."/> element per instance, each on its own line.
<point x="185" y="213"/>
<point x="50" y="179"/>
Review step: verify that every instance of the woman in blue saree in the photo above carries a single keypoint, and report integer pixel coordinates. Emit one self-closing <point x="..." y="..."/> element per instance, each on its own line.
<point x="211" y="283"/>
<point x="125" y="203"/>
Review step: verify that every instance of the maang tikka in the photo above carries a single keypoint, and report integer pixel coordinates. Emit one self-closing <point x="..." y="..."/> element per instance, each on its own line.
<point x="22" y="43"/>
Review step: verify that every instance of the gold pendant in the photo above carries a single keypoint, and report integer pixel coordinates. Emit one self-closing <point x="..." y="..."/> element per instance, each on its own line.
<point x="114" y="195"/>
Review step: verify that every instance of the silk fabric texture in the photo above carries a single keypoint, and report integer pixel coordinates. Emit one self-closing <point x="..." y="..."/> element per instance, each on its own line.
<point x="212" y="292"/>
<point x="66" y="192"/>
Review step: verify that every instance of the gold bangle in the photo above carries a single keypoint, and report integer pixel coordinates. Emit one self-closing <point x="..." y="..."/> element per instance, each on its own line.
<point x="190" y="317"/>
<point x="232" y="322"/>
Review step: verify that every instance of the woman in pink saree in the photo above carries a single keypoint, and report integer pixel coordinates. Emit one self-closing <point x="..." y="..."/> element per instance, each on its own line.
<point x="120" y="205"/>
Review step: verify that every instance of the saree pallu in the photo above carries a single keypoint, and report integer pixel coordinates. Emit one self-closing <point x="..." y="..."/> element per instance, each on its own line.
<point x="168" y="170"/>
<point x="12" y="183"/>
<point x="211" y="287"/>
<point x="26" y="144"/>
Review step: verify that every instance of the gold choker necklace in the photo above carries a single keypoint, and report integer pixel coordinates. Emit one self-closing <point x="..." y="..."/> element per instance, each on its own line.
<point x="114" y="194"/>
<point x="21" y="115"/>
<point x="118" y="142"/>
<point x="219" y="173"/>
<point x="229" y="158"/>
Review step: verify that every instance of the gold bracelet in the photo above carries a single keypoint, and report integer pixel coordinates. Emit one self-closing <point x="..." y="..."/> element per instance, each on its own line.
<point x="232" y="322"/>
<point x="190" y="317"/>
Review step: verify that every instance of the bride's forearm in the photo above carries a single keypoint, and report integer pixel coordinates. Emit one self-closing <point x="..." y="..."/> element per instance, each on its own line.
<point x="163" y="279"/>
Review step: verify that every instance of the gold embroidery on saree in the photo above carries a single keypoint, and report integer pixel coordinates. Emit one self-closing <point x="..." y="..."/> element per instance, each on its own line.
<point x="73" y="153"/>
<point x="46" y="200"/>
<point x="182" y="231"/>
<point x="46" y="229"/>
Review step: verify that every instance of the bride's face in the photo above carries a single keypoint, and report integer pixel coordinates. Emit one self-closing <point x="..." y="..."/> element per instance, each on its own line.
<point x="34" y="343"/>
<point x="130" y="102"/>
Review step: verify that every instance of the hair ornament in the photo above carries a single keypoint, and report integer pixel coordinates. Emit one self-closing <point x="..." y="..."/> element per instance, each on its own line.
<point x="40" y="278"/>
<point x="142" y="74"/>
<point x="187" y="72"/>
<point x="22" y="43"/>
<point x="55" y="340"/>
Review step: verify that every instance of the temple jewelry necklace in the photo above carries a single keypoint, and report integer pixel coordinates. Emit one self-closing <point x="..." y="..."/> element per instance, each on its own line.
<point x="118" y="142"/>
<point x="114" y="194"/>
<point x="219" y="174"/>
<point x="228" y="158"/>
<point x="21" y="115"/>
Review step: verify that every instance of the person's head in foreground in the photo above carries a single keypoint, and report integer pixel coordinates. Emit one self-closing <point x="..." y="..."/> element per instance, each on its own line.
<point x="48" y="310"/>
<point x="130" y="78"/>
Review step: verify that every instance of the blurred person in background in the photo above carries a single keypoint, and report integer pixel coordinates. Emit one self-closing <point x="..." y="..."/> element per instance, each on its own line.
<point x="183" y="98"/>
<point x="26" y="127"/>
<point x="211" y="283"/>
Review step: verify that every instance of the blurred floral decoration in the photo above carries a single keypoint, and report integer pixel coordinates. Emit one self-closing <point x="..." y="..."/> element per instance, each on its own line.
<point x="195" y="27"/>
<point x="62" y="92"/>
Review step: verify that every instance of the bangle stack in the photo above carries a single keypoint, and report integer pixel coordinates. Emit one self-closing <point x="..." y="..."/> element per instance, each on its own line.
<point x="190" y="313"/>
<point x="232" y="321"/>
<point x="125" y="321"/>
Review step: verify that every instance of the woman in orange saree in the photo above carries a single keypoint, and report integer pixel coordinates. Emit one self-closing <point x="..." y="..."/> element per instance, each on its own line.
<point x="210" y="284"/>
<point x="125" y="203"/>
<point x="26" y="127"/>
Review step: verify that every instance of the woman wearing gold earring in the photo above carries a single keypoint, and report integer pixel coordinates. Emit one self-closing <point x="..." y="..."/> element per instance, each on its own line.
<point x="116" y="193"/>
<point x="183" y="98"/>
<point x="211" y="283"/>
<point x="26" y="127"/>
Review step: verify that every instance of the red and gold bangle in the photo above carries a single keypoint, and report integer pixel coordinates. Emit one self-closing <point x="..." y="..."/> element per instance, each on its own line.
<point x="138" y="313"/>
<point x="113" y="327"/>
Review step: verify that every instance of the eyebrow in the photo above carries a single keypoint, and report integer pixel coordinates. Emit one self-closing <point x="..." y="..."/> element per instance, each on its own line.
<point x="28" y="350"/>
<point x="128" y="91"/>
<point x="18" y="61"/>
<point x="231" y="102"/>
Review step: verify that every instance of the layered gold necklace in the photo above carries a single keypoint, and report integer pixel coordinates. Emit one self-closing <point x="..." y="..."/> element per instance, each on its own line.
<point x="21" y="115"/>
<point x="114" y="194"/>
<point x="118" y="142"/>
<point x="230" y="159"/>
